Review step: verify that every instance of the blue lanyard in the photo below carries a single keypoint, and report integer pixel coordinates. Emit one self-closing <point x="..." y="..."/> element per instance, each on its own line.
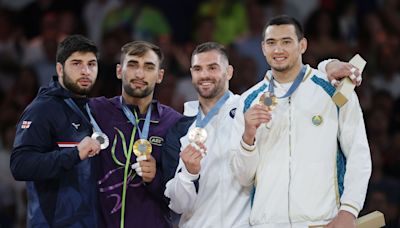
<point x="203" y="122"/>
<point x="78" y="111"/>
<point x="294" y="86"/>
<point x="144" y="132"/>
<point x="92" y="120"/>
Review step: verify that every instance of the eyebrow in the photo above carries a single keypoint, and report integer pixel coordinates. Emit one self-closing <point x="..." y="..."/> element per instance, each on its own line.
<point x="81" y="60"/>
<point x="283" y="38"/>
<point x="136" y="62"/>
<point x="211" y="64"/>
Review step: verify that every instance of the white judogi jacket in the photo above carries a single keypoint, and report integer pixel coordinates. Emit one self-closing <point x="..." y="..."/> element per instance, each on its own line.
<point x="294" y="163"/>
<point x="220" y="201"/>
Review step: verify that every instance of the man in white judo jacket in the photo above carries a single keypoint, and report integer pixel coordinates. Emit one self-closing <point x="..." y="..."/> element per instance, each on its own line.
<point x="204" y="189"/>
<point x="288" y="146"/>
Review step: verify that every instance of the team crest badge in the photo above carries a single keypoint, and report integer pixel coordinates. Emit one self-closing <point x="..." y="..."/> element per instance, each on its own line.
<point x="317" y="120"/>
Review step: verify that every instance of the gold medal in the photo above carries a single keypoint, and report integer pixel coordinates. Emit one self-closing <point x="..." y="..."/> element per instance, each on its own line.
<point x="142" y="147"/>
<point x="268" y="100"/>
<point x="197" y="135"/>
<point x="102" y="139"/>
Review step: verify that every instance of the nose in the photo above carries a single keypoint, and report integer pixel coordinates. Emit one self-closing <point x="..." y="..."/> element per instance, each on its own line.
<point x="85" y="69"/>
<point x="278" y="48"/>
<point x="139" y="73"/>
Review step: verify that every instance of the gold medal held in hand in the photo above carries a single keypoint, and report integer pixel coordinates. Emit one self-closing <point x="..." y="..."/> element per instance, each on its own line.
<point x="142" y="147"/>
<point x="269" y="100"/>
<point x="197" y="135"/>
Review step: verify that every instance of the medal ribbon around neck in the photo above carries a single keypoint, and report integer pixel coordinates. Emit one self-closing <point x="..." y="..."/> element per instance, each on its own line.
<point x="293" y="87"/>
<point x="144" y="132"/>
<point x="143" y="135"/>
<point x="98" y="133"/>
<point x="201" y="123"/>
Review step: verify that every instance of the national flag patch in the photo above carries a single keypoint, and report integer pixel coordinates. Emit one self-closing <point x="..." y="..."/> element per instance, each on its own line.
<point x="26" y="124"/>
<point x="67" y="144"/>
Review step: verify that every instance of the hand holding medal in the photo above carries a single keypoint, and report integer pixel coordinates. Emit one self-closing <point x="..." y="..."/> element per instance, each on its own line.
<point x="145" y="167"/>
<point x="97" y="135"/>
<point x="191" y="156"/>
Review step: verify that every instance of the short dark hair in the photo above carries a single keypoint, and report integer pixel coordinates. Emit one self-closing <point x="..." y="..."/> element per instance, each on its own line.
<point x="139" y="48"/>
<point x="210" y="46"/>
<point x="285" y="20"/>
<point x="75" y="43"/>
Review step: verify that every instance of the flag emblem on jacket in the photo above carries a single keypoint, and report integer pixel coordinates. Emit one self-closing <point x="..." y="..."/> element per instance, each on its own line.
<point x="25" y="124"/>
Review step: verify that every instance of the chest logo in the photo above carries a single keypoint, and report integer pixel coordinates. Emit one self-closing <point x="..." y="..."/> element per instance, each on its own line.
<point x="156" y="140"/>
<point x="76" y="125"/>
<point x="317" y="120"/>
<point x="232" y="113"/>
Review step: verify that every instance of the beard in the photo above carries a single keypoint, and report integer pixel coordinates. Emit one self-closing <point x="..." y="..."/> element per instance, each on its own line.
<point x="74" y="86"/>
<point x="137" y="93"/>
<point x="213" y="92"/>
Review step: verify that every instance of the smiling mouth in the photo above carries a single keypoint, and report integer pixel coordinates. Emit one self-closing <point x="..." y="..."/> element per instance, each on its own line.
<point x="279" y="59"/>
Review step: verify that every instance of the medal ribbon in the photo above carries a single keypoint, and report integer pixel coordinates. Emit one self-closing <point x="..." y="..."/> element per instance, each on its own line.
<point x="144" y="132"/>
<point x="143" y="135"/>
<point x="76" y="109"/>
<point x="92" y="120"/>
<point x="293" y="87"/>
<point x="203" y="122"/>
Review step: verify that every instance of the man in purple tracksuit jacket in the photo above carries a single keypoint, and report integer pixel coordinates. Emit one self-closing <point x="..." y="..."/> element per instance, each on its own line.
<point x="130" y="187"/>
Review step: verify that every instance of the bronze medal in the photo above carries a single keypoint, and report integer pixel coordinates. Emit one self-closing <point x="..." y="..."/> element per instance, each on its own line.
<point x="197" y="135"/>
<point x="268" y="100"/>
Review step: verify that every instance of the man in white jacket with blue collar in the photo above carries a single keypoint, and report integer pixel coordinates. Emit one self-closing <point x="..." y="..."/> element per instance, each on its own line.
<point x="204" y="189"/>
<point x="288" y="132"/>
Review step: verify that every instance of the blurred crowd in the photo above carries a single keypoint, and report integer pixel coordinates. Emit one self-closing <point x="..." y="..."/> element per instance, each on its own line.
<point x="30" y="31"/>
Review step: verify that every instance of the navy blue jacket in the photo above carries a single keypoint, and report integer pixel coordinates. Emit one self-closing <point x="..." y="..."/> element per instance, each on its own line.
<point x="172" y="147"/>
<point x="61" y="188"/>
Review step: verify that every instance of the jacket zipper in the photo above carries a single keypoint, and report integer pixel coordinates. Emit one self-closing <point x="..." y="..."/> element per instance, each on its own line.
<point x="290" y="159"/>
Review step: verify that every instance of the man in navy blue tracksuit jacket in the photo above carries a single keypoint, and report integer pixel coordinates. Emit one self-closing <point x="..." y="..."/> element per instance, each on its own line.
<point x="52" y="146"/>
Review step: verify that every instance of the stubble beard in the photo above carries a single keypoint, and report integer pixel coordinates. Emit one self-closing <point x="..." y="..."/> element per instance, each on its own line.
<point x="137" y="93"/>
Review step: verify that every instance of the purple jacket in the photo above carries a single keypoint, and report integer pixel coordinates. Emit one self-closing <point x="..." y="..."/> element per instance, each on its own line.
<point x="145" y="203"/>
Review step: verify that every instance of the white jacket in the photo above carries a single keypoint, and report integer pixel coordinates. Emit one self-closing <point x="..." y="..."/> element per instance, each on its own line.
<point x="294" y="163"/>
<point x="220" y="201"/>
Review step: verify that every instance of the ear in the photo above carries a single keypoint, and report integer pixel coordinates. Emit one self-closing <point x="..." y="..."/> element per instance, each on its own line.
<point x="262" y="47"/>
<point x="229" y="72"/>
<point x="118" y="71"/>
<point x="60" y="73"/>
<point x="59" y="69"/>
<point x="303" y="45"/>
<point x="160" y="76"/>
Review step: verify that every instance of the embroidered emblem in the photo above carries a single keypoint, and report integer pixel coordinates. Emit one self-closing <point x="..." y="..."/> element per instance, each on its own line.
<point x="232" y="113"/>
<point x="156" y="140"/>
<point x="76" y="125"/>
<point x="26" y="124"/>
<point x="317" y="120"/>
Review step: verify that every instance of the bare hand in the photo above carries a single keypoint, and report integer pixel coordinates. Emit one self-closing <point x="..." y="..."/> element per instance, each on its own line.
<point x="344" y="219"/>
<point x="191" y="157"/>
<point x="88" y="147"/>
<point x="336" y="70"/>
<point x="253" y="118"/>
